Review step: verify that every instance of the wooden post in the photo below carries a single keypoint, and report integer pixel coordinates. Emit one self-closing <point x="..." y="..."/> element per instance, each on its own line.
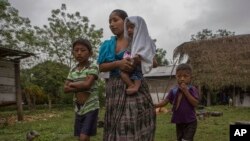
<point x="200" y="92"/>
<point x="208" y="98"/>
<point x="18" y="91"/>
<point x="234" y="97"/>
<point x="157" y="94"/>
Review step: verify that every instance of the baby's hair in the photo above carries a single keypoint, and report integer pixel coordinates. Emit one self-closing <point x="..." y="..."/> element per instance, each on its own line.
<point x="83" y="42"/>
<point x="185" y="67"/>
<point x="121" y="13"/>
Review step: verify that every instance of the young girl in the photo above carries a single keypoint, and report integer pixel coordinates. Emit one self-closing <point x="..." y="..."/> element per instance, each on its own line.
<point x="141" y="48"/>
<point x="81" y="81"/>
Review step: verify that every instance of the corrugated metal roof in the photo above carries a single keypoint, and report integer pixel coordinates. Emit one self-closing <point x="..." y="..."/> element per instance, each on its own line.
<point x="162" y="71"/>
<point x="11" y="54"/>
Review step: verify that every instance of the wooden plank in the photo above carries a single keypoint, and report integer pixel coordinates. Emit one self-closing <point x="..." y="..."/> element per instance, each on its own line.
<point x="7" y="89"/>
<point x="7" y="72"/>
<point x="7" y="103"/>
<point x="7" y="97"/>
<point x="7" y="81"/>
<point x="6" y="64"/>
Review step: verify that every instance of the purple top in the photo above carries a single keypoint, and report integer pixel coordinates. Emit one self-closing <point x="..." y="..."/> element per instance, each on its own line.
<point x="185" y="112"/>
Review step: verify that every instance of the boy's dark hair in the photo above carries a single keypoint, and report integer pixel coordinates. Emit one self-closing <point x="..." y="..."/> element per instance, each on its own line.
<point x="83" y="42"/>
<point x="121" y="13"/>
<point x="184" y="66"/>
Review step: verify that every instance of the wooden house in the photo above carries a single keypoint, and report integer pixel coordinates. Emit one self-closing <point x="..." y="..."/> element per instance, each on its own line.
<point x="160" y="80"/>
<point x="10" y="90"/>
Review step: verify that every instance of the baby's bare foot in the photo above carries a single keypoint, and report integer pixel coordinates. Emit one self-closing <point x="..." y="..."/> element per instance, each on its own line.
<point x="131" y="90"/>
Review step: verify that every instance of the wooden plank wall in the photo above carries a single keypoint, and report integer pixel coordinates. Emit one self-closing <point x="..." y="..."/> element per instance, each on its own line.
<point x="160" y="85"/>
<point x="7" y="82"/>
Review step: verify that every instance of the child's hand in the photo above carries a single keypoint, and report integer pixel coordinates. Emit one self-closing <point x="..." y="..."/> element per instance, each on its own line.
<point x="68" y="87"/>
<point x="70" y="84"/>
<point x="137" y="59"/>
<point x="155" y="63"/>
<point x="183" y="87"/>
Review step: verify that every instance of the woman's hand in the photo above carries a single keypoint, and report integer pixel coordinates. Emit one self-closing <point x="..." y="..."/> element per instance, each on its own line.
<point x="126" y="65"/>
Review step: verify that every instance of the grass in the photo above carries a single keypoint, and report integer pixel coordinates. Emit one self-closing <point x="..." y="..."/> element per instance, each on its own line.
<point x="57" y="125"/>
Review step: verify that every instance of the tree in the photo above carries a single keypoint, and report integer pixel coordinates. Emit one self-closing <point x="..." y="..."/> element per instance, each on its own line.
<point x="62" y="30"/>
<point x="224" y="33"/>
<point x="208" y="34"/>
<point x="160" y="57"/>
<point x="16" y="32"/>
<point x="30" y="91"/>
<point x="50" y="76"/>
<point x="11" y="25"/>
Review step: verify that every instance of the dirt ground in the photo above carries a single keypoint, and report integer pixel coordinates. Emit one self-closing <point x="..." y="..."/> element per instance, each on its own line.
<point x="12" y="119"/>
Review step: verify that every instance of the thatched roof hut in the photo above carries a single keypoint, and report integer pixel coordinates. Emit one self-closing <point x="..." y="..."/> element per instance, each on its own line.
<point x="218" y="62"/>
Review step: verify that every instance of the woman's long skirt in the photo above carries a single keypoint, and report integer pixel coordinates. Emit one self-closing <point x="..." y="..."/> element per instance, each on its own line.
<point x="128" y="117"/>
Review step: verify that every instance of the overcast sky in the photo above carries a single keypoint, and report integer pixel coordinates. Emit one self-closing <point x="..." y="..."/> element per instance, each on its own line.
<point x="170" y="22"/>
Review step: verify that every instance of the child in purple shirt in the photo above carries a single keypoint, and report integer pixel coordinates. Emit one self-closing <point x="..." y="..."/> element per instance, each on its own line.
<point x="184" y="98"/>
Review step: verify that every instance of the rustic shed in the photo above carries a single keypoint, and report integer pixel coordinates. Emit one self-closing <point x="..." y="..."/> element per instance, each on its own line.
<point x="160" y="80"/>
<point x="10" y="90"/>
<point x="220" y="63"/>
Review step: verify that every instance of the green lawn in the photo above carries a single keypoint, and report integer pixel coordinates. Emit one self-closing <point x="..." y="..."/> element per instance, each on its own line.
<point x="57" y="125"/>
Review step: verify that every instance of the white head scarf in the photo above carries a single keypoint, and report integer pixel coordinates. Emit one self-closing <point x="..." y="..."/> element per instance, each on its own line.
<point x="141" y="43"/>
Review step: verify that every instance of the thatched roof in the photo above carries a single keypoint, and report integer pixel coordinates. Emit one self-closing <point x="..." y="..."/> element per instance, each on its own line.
<point x="218" y="62"/>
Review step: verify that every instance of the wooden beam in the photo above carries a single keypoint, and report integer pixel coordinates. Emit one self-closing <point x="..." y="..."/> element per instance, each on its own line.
<point x="208" y="98"/>
<point x="7" y="103"/>
<point x="18" y="91"/>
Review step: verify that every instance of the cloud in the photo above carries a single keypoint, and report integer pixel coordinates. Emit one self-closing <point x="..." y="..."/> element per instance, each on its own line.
<point x="170" y="22"/>
<point x="224" y="14"/>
